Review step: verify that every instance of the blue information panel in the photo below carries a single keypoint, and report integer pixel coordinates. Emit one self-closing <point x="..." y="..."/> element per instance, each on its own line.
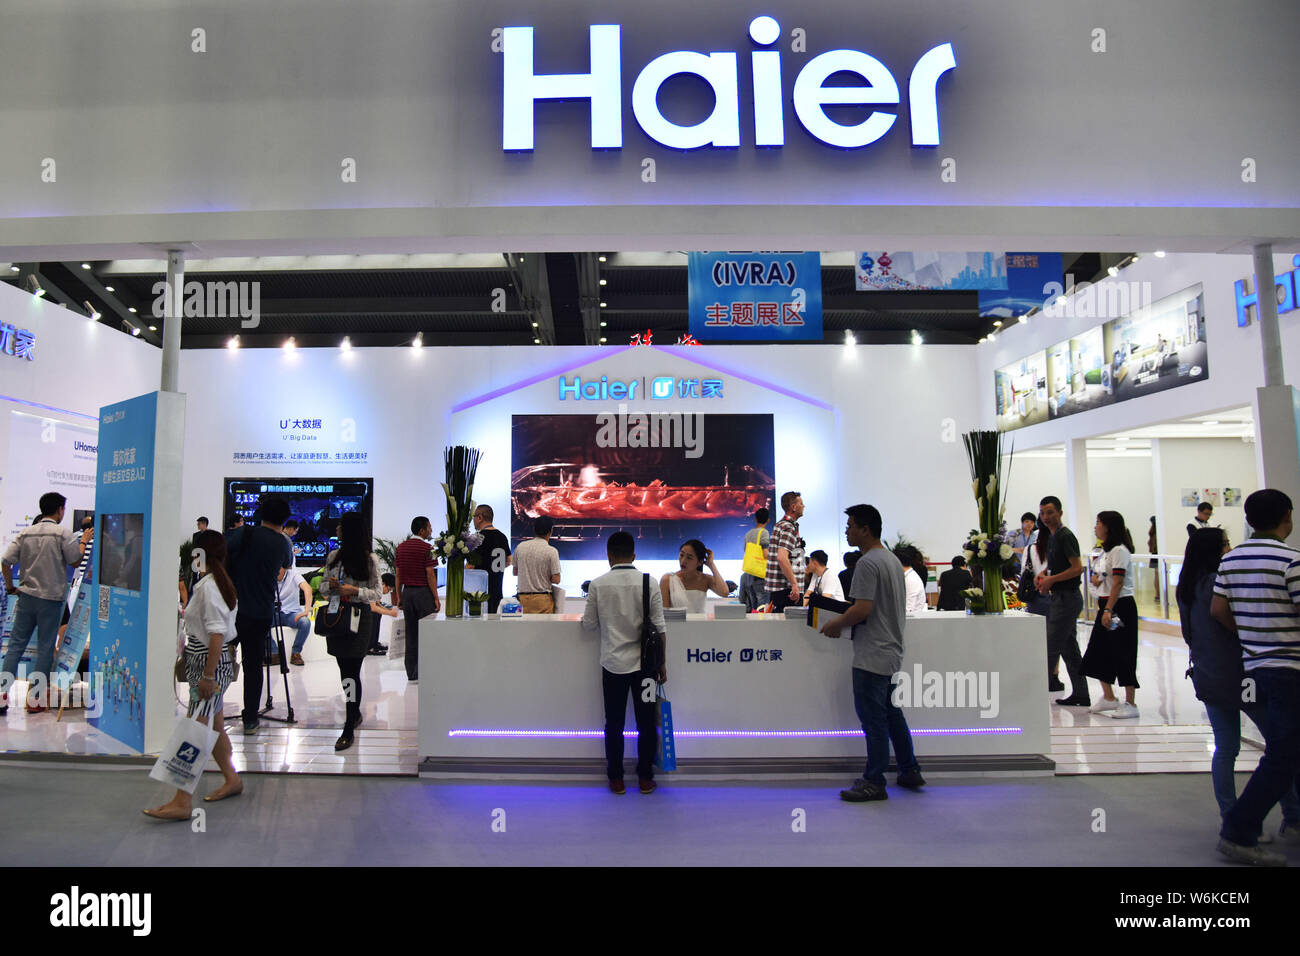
<point x="756" y="296"/>
<point x="120" y="567"/>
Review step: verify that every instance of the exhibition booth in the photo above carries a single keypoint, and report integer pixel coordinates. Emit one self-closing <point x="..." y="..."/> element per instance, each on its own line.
<point x="486" y="127"/>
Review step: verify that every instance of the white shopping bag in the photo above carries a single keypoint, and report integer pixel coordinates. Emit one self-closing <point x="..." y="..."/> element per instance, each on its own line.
<point x="181" y="762"/>
<point x="397" y="640"/>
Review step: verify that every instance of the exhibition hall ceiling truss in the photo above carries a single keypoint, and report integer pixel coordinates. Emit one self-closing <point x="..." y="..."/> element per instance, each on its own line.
<point x="479" y="299"/>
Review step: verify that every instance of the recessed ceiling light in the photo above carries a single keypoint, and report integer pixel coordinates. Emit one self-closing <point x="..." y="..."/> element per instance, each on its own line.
<point x="85" y="265"/>
<point x="346" y="344"/>
<point x="131" y="309"/>
<point x="232" y="342"/>
<point x="602" y="258"/>
<point x="153" y="328"/>
<point x="534" y="325"/>
<point x="1211" y="422"/>
<point x="537" y="341"/>
<point x="602" y="305"/>
<point x="1160" y="253"/>
<point x="603" y="340"/>
<point x="997" y="323"/>
<point x="290" y="344"/>
<point x="603" y="324"/>
<point x="604" y="282"/>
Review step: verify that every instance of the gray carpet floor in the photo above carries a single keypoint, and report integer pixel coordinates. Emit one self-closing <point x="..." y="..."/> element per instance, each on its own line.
<point x="92" y="818"/>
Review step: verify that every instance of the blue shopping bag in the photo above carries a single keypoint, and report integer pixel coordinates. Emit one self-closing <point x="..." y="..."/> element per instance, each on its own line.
<point x="666" y="755"/>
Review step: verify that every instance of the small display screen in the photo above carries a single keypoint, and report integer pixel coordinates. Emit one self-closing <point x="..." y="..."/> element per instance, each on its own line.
<point x="120" y="548"/>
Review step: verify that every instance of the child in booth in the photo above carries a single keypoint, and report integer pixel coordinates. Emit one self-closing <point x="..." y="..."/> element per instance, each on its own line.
<point x="385" y="607"/>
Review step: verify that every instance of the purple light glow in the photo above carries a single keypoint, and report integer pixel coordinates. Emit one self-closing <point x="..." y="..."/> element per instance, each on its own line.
<point x="735" y="734"/>
<point x="534" y="379"/>
<point x="727" y="370"/>
<point x="48" y="408"/>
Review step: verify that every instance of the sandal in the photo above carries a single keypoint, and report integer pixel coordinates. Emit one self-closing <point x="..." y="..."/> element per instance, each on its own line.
<point x="216" y="796"/>
<point x="153" y="812"/>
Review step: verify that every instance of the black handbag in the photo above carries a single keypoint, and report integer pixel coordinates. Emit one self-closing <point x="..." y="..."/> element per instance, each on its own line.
<point x="1026" y="591"/>
<point x="347" y="632"/>
<point x="652" y="641"/>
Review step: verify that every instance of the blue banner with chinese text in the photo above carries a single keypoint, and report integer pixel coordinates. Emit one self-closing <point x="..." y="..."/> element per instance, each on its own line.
<point x="756" y="296"/>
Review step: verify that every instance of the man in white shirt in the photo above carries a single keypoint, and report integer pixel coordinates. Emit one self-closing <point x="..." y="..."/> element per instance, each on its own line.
<point x="295" y="612"/>
<point x="820" y="581"/>
<point x="537" y="566"/>
<point x="43" y="552"/>
<point x="615" y="607"/>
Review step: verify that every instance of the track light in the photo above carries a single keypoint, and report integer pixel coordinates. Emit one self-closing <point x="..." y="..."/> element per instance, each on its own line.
<point x="91" y="311"/>
<point x="1023" y="319"/>
<point x="290" y="344"/>
<point x="604" y="282"/>
<point x="418" y="341"/>
<point x="85" y="265"/>
<point x="997" y="323"/>
<point x="135" y="330"/>
<point x="849" y="338"/>
<point x="109" y="288"/>
<point x="1112" y="272"/>
<point x="602" y="259"/>
<point x="33" y="285"/>
<point x="603" y="340"/>
<point x="153" y="328"/>
<point x="346" y="344"/>
<point x="232" y="343"/>
<point x="537" y="341"/>
<point x="916" y="337"/>
<point x="13" y="267"/>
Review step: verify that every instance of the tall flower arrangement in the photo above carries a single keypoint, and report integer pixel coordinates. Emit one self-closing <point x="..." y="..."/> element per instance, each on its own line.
<point x="988" y="547"/>
<point x="454" y="544"/>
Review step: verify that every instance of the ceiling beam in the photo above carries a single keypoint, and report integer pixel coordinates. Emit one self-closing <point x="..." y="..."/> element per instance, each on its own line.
<point x="528" y="272"/>
<point x="91" y="282"/>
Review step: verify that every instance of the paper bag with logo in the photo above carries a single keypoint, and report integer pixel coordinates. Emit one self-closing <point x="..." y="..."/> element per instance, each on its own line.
<point x="666" y="755"/>
<point x="181" y="762"/>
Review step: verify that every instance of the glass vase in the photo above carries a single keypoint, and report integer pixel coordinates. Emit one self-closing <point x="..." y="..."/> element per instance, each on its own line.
<point x="455" y="603"/>
<point x="995" y="599"/>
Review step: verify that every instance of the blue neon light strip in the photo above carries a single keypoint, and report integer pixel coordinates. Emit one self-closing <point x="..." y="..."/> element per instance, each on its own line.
<point x="48" y="408"/>
<point x="737" y="734"/>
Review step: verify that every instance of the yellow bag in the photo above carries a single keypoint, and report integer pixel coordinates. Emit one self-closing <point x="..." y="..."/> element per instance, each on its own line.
<point x="755" y="561"/>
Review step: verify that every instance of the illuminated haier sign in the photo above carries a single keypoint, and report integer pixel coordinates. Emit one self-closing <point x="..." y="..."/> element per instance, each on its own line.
<point x="603" y="87"/>
<point x="665" y="386"/>
<point x="1286" y="287"/>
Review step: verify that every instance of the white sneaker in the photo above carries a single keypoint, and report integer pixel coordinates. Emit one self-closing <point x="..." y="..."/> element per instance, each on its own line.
<point x="1103" y="705"/>
<point x="1123" y="711"/>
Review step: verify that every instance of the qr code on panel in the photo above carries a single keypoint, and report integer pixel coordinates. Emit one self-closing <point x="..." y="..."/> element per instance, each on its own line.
<point x="104" y="592"/>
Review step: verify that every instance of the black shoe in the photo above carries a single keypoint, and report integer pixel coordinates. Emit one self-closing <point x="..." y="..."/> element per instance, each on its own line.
<point x="1054" y="685"/>
<point x="1073" y="701"/>
<point x="250" y="726"/>
<point x="345" y="740"/>
<point x="911" y="779"/>
<point x="862" y="791"/>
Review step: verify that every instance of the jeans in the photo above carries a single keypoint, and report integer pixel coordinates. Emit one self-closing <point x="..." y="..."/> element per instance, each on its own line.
<point x="1277" y="694"/>
<point x="616" y="688"/>
<point x="303" y="627"/>
<point x="1063" y="639"/>
<point x="252" y="633"/>
<point x="752" y="592"/>
<point x="883" y="723"/>
<point x="32" y="614"/>
<point x="1226" y="723"/>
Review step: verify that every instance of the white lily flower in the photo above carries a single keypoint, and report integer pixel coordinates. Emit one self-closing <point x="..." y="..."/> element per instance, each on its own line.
<point x="1006" y="552"/>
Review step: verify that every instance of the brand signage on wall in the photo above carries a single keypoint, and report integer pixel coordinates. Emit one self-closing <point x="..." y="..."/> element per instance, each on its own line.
<point x="660" y="387"/>
<point x="602" y="88"/>
<point x="16" y="342"/>
<point x="1286" y="286"/>
<point x="755" y="296"/>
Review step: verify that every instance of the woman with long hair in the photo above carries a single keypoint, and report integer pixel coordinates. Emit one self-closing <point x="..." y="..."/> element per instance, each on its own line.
<point x="689" y="586"/>
<point x="352" y="574"/>
<point x="1217" y="670"/>
<point x="1111" y="657"/>
<point x="209" y="666"/>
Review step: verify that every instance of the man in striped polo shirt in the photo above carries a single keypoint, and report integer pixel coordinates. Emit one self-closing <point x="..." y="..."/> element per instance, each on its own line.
<point x="1257" y="595"/>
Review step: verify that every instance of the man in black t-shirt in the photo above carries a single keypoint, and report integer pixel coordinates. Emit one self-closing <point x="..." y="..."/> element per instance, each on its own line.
<point x="951" y="583"/>
<point x="1061" y="579"/>
<point x="257" y="556"/>
<point x="492" y="555"/>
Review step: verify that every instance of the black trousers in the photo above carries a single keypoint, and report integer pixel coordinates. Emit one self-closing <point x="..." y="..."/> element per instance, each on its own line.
<point x="252" y="633"/>
<point x="616" y="688"/>
<point x="780" y="600"/>
<point x="416" y="603"/>
<point x="350" y="675"/>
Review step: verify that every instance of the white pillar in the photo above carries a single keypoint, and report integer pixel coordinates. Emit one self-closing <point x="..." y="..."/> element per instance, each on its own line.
<point x="1078" y="503"/>
<point x="171" y="357"/>
<point x="1270" y="340"/>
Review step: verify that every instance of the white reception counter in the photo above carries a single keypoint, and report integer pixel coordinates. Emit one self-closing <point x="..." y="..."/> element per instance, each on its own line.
<point x="761" y="695"/>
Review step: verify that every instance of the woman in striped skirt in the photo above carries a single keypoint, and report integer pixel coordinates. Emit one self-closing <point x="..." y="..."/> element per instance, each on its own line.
<point x="209" y="665"/>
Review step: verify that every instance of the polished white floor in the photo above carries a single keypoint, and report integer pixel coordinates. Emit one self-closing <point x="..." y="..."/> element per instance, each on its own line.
<point x="1172" y="735"/>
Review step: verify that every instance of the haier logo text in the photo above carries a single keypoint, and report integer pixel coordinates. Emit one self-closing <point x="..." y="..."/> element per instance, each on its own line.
<point x="1285" y="290"/>
<point x="603" y="88"/>
<point x="664" y="386"/>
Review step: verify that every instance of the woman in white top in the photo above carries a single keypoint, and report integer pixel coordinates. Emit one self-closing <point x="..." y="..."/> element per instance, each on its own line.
<point x="209" y="666"/>
<point x="689" y="587"/>
<point x="1112" y="652"/>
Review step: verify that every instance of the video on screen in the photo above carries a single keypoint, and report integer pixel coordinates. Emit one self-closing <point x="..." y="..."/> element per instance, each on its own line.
<point x="663" y="478"/>
<point x="120" y="547"/>
<point x="316" y="503"/>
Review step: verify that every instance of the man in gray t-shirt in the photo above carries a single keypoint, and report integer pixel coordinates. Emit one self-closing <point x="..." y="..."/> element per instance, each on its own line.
<point x="877" y="617"/>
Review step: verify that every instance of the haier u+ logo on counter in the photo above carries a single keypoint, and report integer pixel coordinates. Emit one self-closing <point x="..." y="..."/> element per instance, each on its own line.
<point x="1286" y="286"/>
<point x="662" y="387"/>
<point x="603" y="88"/>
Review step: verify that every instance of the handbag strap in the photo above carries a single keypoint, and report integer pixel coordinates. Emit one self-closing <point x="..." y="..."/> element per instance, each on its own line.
<point x="645" y="600"/>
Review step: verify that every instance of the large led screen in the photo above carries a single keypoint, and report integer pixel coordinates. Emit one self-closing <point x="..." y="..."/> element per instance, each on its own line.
<point x="665" y="478"/>
<point x="317" y="503"/>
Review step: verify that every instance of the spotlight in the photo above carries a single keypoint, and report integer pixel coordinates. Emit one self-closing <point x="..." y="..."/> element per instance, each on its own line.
<point x="33" y="285"/>
<point x="14" y="268"/>
<point x="1023" y="319"/>
<point x="1160" y="253"/>
<point x="232" y="343"/>
<point x="290" y="344"/>
<point x="604" y="282"/>
<point x="537" y="341"/>
<point x="85" y="265"/>
<point x="153" y="328"/>
<point x="535" y="325"/>
<point x="131" y="309"/>
<point x="602" y="259"/>
<point x="603" y="324"/>
<point x="603" y="340"/>
<point x="346" y="344"/>
<point x="603" y="304"/>
<point x="109" y="288"/>
<point x="916" y="337"/>
<point x="91" y="311"/>
<point x="997" y="323"/>
<point x="1134" y="258"/>
<point x="849" y="338"/>
<point x="1112" y="272"/>
<point x="418" y="341"/>
<point x="135" y="330"/>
